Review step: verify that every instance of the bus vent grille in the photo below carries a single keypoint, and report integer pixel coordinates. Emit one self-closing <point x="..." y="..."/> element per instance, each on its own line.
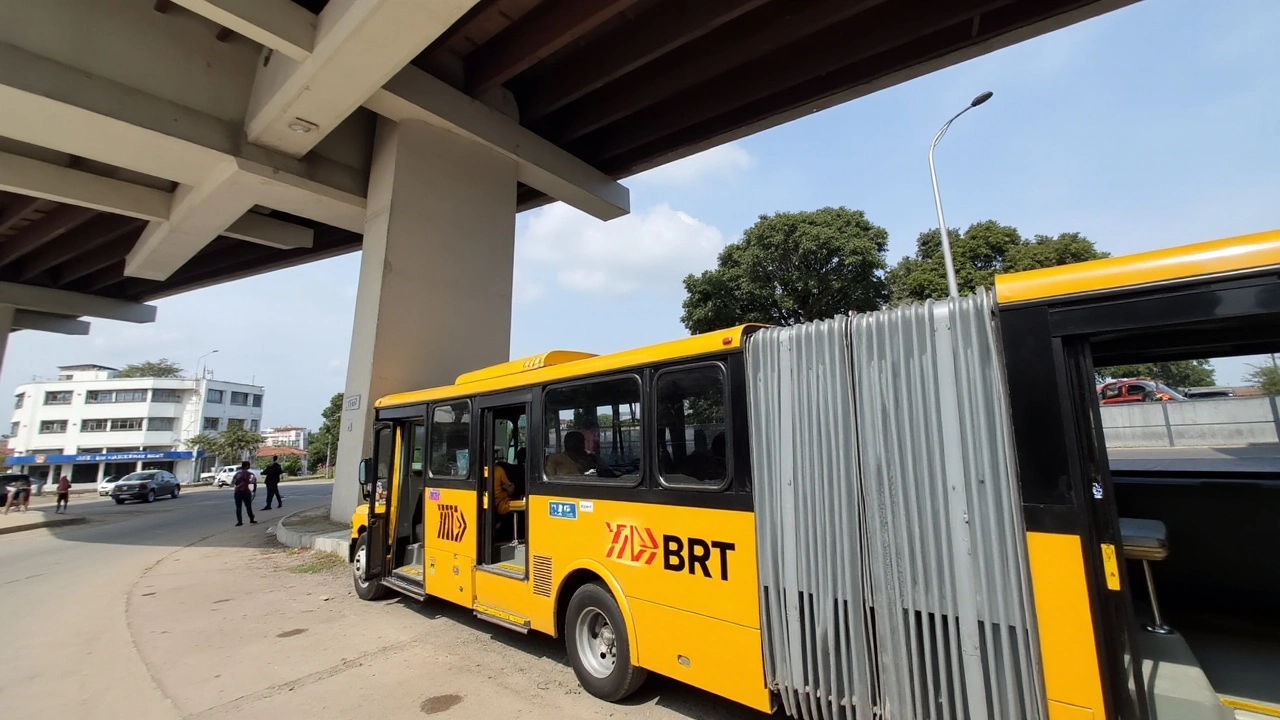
<point x="542" y="575"/>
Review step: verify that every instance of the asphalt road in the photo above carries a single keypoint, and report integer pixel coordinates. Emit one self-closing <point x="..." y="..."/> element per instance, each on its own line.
<point x="67" y="651"/>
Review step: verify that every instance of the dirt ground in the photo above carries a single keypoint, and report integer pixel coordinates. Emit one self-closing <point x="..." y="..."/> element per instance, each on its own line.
<point x="262" y="632"/>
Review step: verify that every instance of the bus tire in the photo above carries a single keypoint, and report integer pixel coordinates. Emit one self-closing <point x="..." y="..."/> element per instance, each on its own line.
<point x="599" y="645"/>
<point x="365" y="589"/>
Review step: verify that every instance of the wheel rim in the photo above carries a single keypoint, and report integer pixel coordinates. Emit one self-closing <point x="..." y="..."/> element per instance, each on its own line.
<point x="151" y="496"/>
<point x="358" y="567"/>
<point x="177" y="491"/>
<point x="597" y="643"/>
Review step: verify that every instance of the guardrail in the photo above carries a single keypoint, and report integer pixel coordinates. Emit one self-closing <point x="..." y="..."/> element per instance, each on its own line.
<point x="1221" y="422"/>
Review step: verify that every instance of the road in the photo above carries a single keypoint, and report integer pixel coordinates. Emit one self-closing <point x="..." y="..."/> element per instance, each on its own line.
<point x="168" y="611"/>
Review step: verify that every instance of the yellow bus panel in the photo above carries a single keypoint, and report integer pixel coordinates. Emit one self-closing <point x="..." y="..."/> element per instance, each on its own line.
<point x="449" y="530"/>
<point x="1247" y="252"/>
<point x="1067" y="646"/>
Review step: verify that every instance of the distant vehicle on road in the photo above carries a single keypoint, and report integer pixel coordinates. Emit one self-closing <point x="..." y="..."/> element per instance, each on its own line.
<point x="1135" y="390"/>
<point x="1207" y="393"/>
<point x="104" y="487"/>
<point x="146" y="486"/>
<point x="226" y="474"/>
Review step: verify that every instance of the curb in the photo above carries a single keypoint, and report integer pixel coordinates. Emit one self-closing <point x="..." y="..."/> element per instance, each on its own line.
<point x="336" y="542"/>
<point x="58" y="522"/>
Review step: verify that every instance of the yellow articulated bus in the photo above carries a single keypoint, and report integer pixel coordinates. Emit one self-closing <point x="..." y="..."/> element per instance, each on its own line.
<point x="908" y="513"/>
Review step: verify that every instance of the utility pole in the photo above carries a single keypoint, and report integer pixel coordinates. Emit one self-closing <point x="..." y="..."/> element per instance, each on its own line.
<point x="328" y="459"/>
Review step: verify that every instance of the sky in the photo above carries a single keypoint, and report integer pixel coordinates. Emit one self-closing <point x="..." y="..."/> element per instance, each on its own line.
<point x="1151" y="126"/>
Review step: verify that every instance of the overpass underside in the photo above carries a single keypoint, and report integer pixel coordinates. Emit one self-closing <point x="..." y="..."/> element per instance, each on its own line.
<point x="149" y="147"/>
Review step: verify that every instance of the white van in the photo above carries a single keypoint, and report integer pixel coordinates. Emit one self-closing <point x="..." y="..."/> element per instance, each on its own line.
<point x="224" y="475"/>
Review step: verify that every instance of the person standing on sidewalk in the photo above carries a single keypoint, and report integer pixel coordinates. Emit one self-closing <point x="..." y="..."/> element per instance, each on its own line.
<point x="245" y="484"/>
<point x="271" y="476"/>
<point x="64" y="495"/>
<point x="19" y="493"/>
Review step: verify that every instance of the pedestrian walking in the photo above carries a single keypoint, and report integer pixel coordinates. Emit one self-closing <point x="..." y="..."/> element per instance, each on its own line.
<point x="19" y="493"/>
<point x="245" y="485"/>
<point x="271" y="476"/>
<point x="64" y="494"/>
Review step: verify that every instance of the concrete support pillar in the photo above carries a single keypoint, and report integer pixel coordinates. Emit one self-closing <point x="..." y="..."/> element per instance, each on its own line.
<point x="6" y="326"/>
<point x="434" y="299"/>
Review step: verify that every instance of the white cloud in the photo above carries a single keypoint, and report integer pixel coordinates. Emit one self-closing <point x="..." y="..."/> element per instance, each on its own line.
<point x="719" y="161"/>
<point x="649" y="251"/>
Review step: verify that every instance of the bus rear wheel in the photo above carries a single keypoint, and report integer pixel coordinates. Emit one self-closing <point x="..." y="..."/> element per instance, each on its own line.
<point x="599" y="646"/>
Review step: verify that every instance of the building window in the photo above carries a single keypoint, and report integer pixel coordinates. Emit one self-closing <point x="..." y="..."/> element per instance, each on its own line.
<point x="594" y="431"/>
<point x="64" y="376"/>
<point x="130" y="396"/>
<point x="93" y="425"/>
<point x="257" y="401"/>
<point x="48" y="427"/>
<point x="253" y="425"/>
<point x="214" y="396"/>
<point x="239" y="398"/>
<point x="691" y="428"/>
<point x="160" y="423"/>
<point x="451" y="440"/>
<point x="165" y="396"/>
<point x="211" y="423"/>
<point x="123" y="424"/>
<point x="17" y="400"/>
<point x="14" y="428"/>
<point x="60" y="397"/>
<point x="99" y="397"/>
<point x="95" y="397"/>
<point x="235" y="424"/>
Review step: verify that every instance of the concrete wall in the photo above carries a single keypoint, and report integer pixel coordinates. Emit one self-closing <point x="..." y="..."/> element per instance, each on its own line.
<point x="1199" y="423"/>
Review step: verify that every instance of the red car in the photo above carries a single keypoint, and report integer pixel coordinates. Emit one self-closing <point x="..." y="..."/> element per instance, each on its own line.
<point x="1136" y="390"/>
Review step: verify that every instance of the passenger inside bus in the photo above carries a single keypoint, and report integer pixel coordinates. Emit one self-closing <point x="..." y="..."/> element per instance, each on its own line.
<point x="508" y="485"/>
<point x="706" y="465"/>
<point x="574" y="460"/>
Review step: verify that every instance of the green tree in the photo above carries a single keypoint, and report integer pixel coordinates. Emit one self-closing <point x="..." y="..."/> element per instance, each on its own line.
<point x="162" y="368"/>
<point x="292" y="465"/>
<point x="1266" y="377"/>
<point x="981" y="252"/>
<point x="791" y="267"/>
<point x="203" y="441"/>
<point x="236" y="442"/>
<point x="1178" y="374"/>
<point x="326" y="437"/>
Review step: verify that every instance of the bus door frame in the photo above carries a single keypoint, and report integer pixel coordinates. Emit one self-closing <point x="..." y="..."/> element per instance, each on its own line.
<point x="377" y="548"/>
<point x="486" y="500"/>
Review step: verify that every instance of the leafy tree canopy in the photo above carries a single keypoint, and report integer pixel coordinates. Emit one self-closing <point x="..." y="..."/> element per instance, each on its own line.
<point x="1177" y="375"/>
<point x="1266" y="377"/>
<point x="319" y="443"/>
<point x="162" y="368"/>
<point x="792" y="267"/>
<point x="981" y="252"/>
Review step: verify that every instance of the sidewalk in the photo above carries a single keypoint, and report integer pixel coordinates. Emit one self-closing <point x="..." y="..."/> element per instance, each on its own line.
<point x="17" y="521"/>
<point x="312" y="528"/>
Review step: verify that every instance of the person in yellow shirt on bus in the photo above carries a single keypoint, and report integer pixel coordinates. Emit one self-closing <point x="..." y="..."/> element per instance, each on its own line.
<point x="508" y="485"/>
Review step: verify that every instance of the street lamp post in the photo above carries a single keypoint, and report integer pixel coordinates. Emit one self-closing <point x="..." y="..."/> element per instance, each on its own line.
<point x="201" y="360"/>
<point x="952" y="290"/>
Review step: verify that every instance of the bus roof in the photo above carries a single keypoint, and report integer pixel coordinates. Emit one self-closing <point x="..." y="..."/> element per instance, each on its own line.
<point x="565" y="364"/>
<point x="1246" y="252"/>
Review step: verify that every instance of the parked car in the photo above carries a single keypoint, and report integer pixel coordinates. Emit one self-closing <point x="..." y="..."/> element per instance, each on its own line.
<point x="104" y="487"/>
<point x="146" y="486"/>
<point x="1135" y="390"/>
<point x="227" y="473"/>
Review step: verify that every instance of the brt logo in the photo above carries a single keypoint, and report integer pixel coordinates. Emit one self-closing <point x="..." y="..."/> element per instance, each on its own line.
<point x="453" y="524"/>
<point x="636" y="545"/>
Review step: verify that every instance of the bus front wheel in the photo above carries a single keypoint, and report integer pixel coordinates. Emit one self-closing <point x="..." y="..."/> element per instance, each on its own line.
<point x="365" y="589"/>
<point x="599" y="646"/>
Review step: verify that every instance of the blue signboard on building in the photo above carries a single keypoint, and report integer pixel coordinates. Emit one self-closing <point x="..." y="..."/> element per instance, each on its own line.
<point x="43" y="459"/>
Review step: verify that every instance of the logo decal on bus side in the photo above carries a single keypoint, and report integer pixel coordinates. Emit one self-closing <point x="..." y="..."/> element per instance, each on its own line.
<point x="631" y="544"/>
<point x="453" y="524"/>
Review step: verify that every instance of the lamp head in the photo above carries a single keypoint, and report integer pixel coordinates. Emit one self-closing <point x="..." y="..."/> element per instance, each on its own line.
<point x="981" y="99"/>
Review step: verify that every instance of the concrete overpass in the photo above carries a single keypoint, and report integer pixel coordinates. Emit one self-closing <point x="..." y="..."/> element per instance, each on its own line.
<point x="149" y="147"/>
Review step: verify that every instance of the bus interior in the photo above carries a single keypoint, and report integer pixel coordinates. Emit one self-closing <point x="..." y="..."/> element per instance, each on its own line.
<point x="1200" y="541"/>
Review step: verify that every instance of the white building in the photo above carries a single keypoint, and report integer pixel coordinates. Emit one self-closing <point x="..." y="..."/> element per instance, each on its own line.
<point x="89" y="423"/>
<point x="286" y="436"/>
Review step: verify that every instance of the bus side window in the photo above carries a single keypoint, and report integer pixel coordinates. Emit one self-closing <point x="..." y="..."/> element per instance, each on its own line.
<point x="594" y="432"/>
<point x="693" y="437"/>
<point x="451" y="440"/>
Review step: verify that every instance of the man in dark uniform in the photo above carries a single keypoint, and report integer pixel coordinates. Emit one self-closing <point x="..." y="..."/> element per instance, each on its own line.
<point x="244" y="483"/>
<point x="271" y="476"/>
